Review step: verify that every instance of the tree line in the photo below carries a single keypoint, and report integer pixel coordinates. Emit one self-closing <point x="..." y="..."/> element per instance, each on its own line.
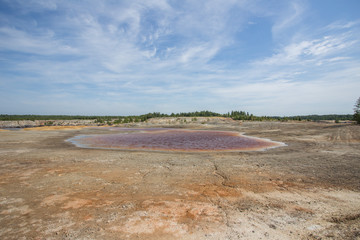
<point x="235" y="115"/>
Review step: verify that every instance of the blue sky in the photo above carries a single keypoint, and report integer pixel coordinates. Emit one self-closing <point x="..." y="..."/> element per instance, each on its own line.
<point x="133" y="57"/>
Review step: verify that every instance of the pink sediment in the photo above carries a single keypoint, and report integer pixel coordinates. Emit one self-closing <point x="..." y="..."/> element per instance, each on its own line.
<point x="175" y="140"/>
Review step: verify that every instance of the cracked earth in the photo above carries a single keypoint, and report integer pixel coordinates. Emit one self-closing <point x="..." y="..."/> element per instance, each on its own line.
<point x="310" y="189"/>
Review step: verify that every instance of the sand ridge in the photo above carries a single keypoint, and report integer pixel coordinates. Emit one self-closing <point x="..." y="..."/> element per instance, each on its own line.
<point x="52" y="128"/>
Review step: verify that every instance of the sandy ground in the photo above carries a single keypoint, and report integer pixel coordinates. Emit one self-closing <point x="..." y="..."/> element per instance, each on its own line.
<point x="310" y="189"/>
<point x="51" y="128"/>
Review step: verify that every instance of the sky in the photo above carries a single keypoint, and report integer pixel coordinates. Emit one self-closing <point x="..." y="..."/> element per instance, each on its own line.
<point x="271" y="57"/>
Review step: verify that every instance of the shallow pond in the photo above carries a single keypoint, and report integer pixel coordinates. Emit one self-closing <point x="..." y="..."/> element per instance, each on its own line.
<point x="162" y="139"/>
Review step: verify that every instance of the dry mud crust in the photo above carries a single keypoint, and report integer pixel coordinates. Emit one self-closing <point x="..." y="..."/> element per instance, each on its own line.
<point x="50" y="189"/>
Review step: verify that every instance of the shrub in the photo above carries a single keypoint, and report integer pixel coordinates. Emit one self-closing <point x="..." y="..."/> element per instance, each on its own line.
<point x="357" y="111"/>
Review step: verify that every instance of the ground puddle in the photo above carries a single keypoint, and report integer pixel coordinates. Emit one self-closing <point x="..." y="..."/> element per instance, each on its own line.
<point x="159" y="139"/>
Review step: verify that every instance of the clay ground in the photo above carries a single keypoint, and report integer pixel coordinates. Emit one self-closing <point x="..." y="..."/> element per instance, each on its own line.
<point x="310" y="189"/>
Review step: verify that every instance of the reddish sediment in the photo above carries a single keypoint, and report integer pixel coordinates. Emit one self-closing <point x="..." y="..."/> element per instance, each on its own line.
<point x="174" y="140"/>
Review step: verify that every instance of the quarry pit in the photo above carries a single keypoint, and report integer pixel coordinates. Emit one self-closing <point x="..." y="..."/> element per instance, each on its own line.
<point x="308" y="189"/>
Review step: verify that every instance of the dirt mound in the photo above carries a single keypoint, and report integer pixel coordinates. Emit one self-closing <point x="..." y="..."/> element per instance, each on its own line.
<point x="191" y="120"/>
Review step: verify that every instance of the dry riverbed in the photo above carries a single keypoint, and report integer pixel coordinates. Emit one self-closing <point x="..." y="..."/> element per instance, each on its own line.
<point x="310" y="189"/>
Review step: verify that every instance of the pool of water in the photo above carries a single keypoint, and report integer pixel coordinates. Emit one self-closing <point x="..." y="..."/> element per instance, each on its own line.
<point x="173" y="140"/>
<point x="11" y="129"/>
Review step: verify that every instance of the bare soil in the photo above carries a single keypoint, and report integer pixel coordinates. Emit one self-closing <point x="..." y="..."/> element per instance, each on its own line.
<point x="310" y="189"/>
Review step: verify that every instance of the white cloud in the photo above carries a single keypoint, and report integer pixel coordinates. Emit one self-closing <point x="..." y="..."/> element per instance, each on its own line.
<point x="289" y="18"/>
<point x="33" y="5"/>
<point x="336" y="88"/>
<point x="44" y="43"/>
<point x="310" y="50"/>
<point x="201" y="52"/>
<point x="342" y="25"/>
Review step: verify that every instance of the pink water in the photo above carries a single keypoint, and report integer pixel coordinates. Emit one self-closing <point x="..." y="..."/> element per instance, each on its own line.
<point x="174" y="140"/>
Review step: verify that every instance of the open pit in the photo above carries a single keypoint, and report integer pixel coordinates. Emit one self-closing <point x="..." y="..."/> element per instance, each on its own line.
<point x="310" y="189"/>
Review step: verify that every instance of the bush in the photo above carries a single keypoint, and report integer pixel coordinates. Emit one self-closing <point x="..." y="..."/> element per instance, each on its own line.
<point x="357" y="111"/>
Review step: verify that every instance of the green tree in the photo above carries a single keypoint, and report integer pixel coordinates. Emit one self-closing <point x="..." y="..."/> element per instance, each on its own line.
<point x="357" y="111"/>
